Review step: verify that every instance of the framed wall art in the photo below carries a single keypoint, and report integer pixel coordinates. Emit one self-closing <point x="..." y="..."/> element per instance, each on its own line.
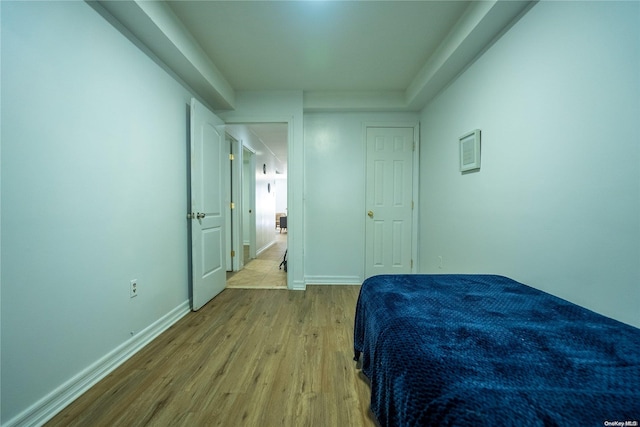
<point x="470" y="151"/>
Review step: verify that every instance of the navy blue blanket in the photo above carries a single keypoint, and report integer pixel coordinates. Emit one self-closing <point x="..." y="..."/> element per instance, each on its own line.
<point x="485" y="350"/>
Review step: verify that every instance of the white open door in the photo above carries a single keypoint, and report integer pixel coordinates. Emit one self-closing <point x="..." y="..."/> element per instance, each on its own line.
<point x="209" y="163"/>
<point x="389" y="201"/>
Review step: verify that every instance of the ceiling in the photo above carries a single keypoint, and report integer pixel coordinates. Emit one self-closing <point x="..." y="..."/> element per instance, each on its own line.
<point x="316" y="45"/>
<point x="343" y="55"/>
<point x="319" y="45"/>
<point x="274" y="136"/>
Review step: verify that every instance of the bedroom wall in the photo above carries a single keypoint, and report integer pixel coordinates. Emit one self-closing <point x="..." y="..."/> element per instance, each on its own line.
<point x="555" y="204"/>
<point x="334" y="184"/>
<point x="93" y="195"/>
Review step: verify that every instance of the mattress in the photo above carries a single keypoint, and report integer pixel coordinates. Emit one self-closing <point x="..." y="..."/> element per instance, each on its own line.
<point x="487" y="350"/>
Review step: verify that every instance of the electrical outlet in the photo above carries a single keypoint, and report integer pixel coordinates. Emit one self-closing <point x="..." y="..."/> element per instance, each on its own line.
<point x="133" y="289"/>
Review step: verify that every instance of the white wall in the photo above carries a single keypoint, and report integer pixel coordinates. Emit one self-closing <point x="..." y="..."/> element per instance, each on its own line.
<point x="281" y="194"/>
<point x="93" y="195"/>
<point x="555" y="204"/>
<point x="334" y="174"/>
<point x="248" y="175"/>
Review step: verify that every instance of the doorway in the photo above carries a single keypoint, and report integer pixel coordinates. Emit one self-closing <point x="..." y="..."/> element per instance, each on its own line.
<point x="259" y="194"/>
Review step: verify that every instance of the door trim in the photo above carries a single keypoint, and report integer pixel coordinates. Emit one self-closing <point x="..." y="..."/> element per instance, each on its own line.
<point x="234" y="223"/>
<point x="294" y="233"/>
<point x="415" y="255"/>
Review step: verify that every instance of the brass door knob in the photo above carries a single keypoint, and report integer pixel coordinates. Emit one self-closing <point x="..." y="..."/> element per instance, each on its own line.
<point x="370" y="213"/>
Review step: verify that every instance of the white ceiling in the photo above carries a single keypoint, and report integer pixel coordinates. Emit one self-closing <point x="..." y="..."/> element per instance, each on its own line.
<point x="274" y="136"/>
<point x="319" y="45"/>
<point x="343" y="55"/>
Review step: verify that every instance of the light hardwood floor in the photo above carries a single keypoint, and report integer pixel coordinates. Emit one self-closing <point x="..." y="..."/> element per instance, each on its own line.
<point x="263" y="272"/>
<point x="248" y="358"/>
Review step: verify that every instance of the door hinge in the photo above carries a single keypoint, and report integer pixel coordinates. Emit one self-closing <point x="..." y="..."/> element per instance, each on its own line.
<point x="232" y="157"/>
<point x="232" y="205"/>
<point x="233" y="253"/>
<point x="412" y="205"/>
<point x="411" y="263"/>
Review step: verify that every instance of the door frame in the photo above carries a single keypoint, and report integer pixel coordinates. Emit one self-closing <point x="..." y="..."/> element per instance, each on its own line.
<point x="251" y="185"/>
<point x="415" y="255"/>
<point x="292" y="210"/>
<point x="234" y="195"/>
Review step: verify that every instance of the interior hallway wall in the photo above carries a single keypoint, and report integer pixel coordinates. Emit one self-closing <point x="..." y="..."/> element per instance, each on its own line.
<point x="281" y="194"/>
<point x="247" y="217"/>
<point x="556" y="202"/>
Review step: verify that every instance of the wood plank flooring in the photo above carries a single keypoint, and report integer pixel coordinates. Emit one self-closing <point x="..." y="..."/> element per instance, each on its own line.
<point x="264" y="272"/>
<point x="248" y="358"/>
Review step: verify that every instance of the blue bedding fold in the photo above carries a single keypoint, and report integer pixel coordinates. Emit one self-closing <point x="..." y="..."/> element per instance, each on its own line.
<point x="486" y="350"/>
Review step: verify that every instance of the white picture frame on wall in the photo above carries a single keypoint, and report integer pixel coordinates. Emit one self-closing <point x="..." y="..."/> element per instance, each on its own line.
<point x="470" y="151"/>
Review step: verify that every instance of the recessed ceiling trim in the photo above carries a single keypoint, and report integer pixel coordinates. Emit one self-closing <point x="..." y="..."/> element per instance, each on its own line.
<point x="481" y="23"/>
<point x="474" y="32"/>
<point x="317" y="101"/>
<point x="157" y="27"/>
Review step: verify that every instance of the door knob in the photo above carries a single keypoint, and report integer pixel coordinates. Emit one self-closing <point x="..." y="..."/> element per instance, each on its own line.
<point x="200" y="215"/>
<point x="370" y="213"/>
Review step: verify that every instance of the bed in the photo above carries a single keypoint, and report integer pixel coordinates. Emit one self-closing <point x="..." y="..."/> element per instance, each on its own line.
<point x="485" y="350"/>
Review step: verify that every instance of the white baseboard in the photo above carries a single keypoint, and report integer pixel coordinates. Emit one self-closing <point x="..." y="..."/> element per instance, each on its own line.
<point x="47" y="407"/>
<point x="299" y="285"/>
<point x="333" y="280"/>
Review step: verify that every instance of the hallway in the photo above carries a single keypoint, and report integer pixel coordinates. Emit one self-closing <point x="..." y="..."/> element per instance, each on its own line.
<point x="262" y="272"/>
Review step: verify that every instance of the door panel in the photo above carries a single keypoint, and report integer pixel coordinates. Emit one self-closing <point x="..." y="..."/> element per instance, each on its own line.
<point x="207" y="180"/>
<point x="378" y="243"/>
<point x="398" y="250"/>
<point x="210" y="251"/>
<point x="389" y="196"/>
